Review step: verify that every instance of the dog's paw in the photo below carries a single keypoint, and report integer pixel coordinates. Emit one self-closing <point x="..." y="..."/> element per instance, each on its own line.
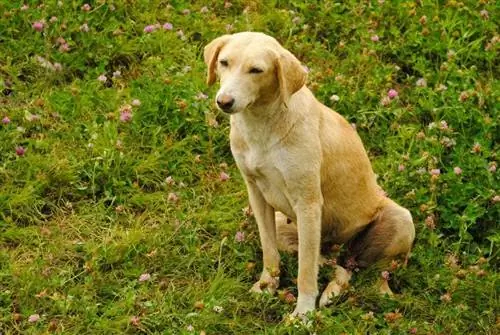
<point x="266" y="284"/>
<point x="332" y="290"/>
<point x="305" y="304"/>
<point x="294" y="319"/>
<point x="383" y="288"/>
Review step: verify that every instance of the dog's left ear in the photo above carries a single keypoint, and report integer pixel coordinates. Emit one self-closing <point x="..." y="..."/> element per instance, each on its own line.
<point x="210" y="54"/>
<point x="291" y="74"/>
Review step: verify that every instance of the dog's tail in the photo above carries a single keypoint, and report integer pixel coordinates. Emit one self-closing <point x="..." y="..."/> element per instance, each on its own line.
<point x="286" y="231"/>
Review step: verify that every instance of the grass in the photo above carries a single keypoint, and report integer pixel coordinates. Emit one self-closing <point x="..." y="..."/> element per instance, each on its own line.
<point x="114" y="215"/>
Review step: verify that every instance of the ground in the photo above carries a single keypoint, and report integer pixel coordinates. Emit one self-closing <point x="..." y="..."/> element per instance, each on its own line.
<point x="121" y="208"/>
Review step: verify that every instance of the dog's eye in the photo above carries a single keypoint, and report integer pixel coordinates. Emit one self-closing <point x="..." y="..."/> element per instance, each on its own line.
<point x="223" y="62"/>
<point x="255" y="70"/>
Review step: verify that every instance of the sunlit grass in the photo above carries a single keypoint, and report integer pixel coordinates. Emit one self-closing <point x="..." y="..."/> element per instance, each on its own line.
<point x="116" y="211"/>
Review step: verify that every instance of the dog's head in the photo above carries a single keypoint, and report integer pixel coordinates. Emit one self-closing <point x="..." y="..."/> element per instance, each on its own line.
<point x="254" y="70"/>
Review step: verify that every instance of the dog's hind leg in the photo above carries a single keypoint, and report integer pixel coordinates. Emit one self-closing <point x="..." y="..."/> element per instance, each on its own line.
<point x="388" y="237"/>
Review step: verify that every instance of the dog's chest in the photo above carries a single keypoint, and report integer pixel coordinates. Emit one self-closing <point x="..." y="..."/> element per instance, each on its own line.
<point x="265" y="171"/>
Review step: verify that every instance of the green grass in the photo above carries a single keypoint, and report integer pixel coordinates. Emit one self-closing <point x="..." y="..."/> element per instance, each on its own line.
<point x="88" y="208"/>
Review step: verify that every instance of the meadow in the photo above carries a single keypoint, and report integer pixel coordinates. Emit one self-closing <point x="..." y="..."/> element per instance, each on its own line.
<point x="121" y="208"/>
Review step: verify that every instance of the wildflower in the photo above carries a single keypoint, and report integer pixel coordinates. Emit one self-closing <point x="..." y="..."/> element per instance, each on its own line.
<point x="401" y="167"/>
<point x="38" y="25"/>
<point x="484" y="14"/>
<point x="125" y="116"/>
<point x="476" y="148"/>
<point x="385" y="275"/>
<point x="334" y="98"/>
<point x="186" y="11"/>
<point x="20" y="151"/>
<point x="64" y="47"/>
<point x="492" y="167"/>
<point x="201" y="96"/>
<point x="289" y="297"/>
<point x="392" y="316"/>
<point x="135" y="321"/>
<point x="495" y="199"/>
<point x="86" y="7"/>
<point x="180" y="34"/>
<point x="442" y="87"/>
<point x="53" y="19"/>
<point x="463" y="96"/>
<point x="421" y="171"/>
<point x="457" y="170"/>
<point x="296" y="20"/>
<point x="33" y="117"/>
<point x="423" y="20"/>
<point x="368" y="316"/>
<point x="445" y="297"/>
<point x="149" y="28"/>
<point x="57" y="67"/>
<point x="24" y="7"/>
<point x="385" y="101"/>
<point x="204" y="10"/>
<point x="169" y="180"/>
<point x="430" y="222"/>
<point x="239" y="236"/>
<point x="172" y="197"/>
<point x="421" y="82"/>
<point x="435" y="172"/>
<point x="212" y="122"/>
<point x="168" y="26"/>
<point x="448" y="142"/>
<point x="218" y="309"/>
<point x="413" y="330"/>
<point x="375" y="38"/>
<point x="117" y="74"/>
<point x="247" y="211"/>
<point x="392" y="93"/>
<point x="227" y="5"/>
<point x="84" y="28"/>
<point x="102" y="78"/>
<point x="33" y="318"/>
<point x="136" y="102"/>
<point x="60" y="40"/>
<point x="199" y="305"/>
<point x="190" y="328"/>
<point x="443" y="125"/>
<point x="144" y="277"/>
<point x="6" y="120"/>
<point x="451" y="54"/>
<point x="223" y="176"/>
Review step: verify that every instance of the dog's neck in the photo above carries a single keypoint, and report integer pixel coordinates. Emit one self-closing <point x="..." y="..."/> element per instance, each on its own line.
<point x="259" y="125"/>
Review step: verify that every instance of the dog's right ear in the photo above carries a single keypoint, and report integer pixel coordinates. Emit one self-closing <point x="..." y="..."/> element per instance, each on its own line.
<point x="210" y="55"/>
<point x="291" y="74"/>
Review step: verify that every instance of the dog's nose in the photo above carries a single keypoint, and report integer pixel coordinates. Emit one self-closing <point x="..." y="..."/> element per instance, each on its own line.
<point x="225" y="102"/>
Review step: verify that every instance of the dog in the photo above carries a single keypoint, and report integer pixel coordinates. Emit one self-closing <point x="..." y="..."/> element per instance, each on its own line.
<point x="307" y="173"/>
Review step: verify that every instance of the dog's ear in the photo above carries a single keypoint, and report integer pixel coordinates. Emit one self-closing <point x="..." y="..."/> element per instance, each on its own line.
<point x="210" y="54"/>
<point x="291" y="74"/>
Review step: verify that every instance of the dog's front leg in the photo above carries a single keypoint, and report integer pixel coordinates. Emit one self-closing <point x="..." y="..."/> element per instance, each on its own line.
<point x="264" y="215"/>
<point x="309" y="230"/>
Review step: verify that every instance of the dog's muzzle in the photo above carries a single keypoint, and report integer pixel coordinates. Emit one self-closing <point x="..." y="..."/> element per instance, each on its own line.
<point x="225" y="102"/>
